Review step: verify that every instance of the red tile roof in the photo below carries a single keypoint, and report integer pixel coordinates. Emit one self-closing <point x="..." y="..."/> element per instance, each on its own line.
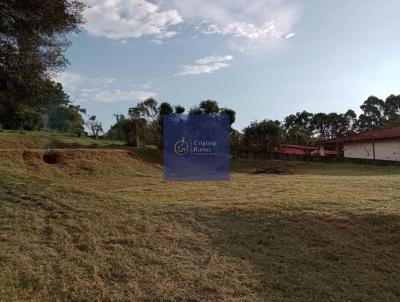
<point x="391" y="131"/>
<point x="299" y="147"/>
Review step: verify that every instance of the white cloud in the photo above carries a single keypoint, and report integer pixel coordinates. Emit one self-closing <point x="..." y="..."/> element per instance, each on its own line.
<point x="84" y="89"/>
<point x="248" y="24"/>
<point x="289" y="36"/>
<point x="250" y="19"/>
<point x="123" y="19"/>
<point x="69" y="80"/>
<point x="118" y="95"/>
<point x="199" y="69"/>
<point x="214" y="59"/>
<point x="246" y="30"/>
<point x="205" y="65"/>
<point x="147" y="85"/>
<point x="105" y="82"/>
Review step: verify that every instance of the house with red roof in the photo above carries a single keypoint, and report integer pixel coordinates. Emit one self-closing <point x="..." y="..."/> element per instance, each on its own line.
<point x="380" y="144"/>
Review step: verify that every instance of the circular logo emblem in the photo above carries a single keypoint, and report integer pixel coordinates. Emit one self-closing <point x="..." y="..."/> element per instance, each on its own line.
<point x="181" y="147"/>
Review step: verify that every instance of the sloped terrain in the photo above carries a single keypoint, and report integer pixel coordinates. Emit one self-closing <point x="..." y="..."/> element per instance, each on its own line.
<point x="77" y="162"/>
<point x="102" y="225"/>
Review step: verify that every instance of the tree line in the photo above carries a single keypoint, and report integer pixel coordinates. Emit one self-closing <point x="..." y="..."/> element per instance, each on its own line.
<point x="33" y="40"/>
<point x="306" y="128"/>
<point x="144" y="123"/>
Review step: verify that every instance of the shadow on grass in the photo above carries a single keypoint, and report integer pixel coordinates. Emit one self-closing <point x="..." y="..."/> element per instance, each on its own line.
<point x="308" y="257"/>
<point x="67" y="245"/>
<point x="149" y="155"/>
<point x="316" y="168"/>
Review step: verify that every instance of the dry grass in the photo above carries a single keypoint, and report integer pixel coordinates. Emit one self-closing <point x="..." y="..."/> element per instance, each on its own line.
<point x="117" y="231"/>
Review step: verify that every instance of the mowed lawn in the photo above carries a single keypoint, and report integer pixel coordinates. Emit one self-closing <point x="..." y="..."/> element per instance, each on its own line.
<point x="324" y="232"/>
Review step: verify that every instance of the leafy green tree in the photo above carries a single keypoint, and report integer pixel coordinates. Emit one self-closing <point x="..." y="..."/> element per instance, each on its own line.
<point x="299" y="128"/>
<point x="230" y="113"/>
<point x="196" y="111"/>
<point x="373" y="115"/>
<point x="210" y="107"/>
<point x="236" y="139"/>
<point x="122" y="130"/>
<point x="95" y="126"/>
<point x="28" y="119"/>
<point x="320" y="125"/>
<point x="351" y="121"/>
<point x="146" y="109"/>
<point x="142" y="114"/>
<point x="164" y="109"/>
<point x="263" y="136"/>
<point x="32" y="42"/>
<point x="65" y="118"/>
<point x="179" y="109"/>
<point x="207" y="107"/>
<point x="59" y="114"/>
<point x="392" y="108"/>
<point x="299" y="136"/>
<point x="332" y="125"/>
<point x="300" y="120"/>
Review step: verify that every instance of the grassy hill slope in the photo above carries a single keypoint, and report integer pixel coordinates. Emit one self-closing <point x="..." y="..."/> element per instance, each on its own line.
<point x="101" y="224"/>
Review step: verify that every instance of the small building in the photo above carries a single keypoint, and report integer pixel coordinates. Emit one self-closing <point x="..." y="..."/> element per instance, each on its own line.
<point x="295" y="149"/>
<point x="378" y="144"/>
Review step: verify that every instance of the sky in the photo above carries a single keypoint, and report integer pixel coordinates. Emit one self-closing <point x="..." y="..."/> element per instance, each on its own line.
<point x="262" y="58"/>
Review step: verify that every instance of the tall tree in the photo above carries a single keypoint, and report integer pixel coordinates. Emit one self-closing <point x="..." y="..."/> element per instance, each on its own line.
<point x="95" y="126"/>
<point x="179" y="109"/>
<point x="143" y="113"/>
<point x="320" y="125"/>
<point x="210" y="107"/>
<point x="299" y="136"/>
<point x="32" y="43"/>
<point x="392" y="108"/>
<point x="164" y="109"/>
<point x="351" y="120"/>
<point x="64" y="118"/>
<point x="230" y="113"/>
<point x="299" y="127"/>
<point x="207" y="107"/>
<point x="373" y="115"/>
<point x="263" y="136"/>
<point x="300" y="120"/>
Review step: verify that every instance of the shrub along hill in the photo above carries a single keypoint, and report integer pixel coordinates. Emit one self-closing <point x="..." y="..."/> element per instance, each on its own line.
<point x="99" y="223"/>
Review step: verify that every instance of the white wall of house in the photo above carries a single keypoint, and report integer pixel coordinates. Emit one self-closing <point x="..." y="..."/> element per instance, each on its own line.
<point x="384" y="150"/>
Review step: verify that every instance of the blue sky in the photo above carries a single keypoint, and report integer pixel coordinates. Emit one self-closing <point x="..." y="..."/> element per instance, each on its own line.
<point x="262" y="58"/>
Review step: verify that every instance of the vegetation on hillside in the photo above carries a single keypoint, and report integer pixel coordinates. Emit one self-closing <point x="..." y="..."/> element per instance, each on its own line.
<point x="144" y="126"/>
<point x="33" y="38"/>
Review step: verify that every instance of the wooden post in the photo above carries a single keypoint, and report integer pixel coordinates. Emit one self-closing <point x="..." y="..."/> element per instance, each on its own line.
<point x="337" y="149"/>
<point x="322" y="150"/>
<point x="137" y="134"/>
<point x="373" y="149"/>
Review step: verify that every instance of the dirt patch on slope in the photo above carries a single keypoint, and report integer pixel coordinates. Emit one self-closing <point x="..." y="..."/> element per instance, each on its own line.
<point x="79" y="162"/>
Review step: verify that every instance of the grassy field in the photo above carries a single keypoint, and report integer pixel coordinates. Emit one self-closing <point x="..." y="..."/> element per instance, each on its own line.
<point x="102" y="225"/>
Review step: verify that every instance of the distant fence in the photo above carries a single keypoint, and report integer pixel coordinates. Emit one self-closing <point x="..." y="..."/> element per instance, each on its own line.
<point x="257" y="154"/>
<point x="263" y="154"/>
